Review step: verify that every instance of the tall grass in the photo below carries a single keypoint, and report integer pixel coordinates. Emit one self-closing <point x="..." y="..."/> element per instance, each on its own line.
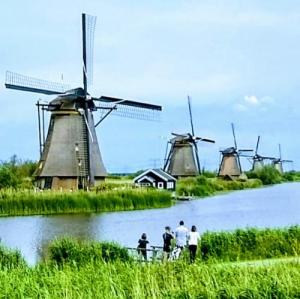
<point x="91" y="270"/>
<point x="169" y="280"/>
<point x="48" y="202"/>
<point x="70" y="250"/>
<point x="250" y="244"/>
<point x="10" y="258"/>
<point x="203" y="186"/>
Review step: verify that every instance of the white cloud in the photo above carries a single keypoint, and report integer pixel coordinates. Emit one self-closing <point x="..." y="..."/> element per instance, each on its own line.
<point x="251" y="100"/>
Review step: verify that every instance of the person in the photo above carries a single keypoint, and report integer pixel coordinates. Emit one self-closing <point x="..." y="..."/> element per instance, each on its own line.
<point x="142" y="246"/>
<point x="193" y="240"/>
<point x="167" y="237"/>
<point x="181" y="233"/>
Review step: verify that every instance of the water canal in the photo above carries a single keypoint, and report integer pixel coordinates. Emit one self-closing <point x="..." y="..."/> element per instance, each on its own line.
<point x="276" y="206"/>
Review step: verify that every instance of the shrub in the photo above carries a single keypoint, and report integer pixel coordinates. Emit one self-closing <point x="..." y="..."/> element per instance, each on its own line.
<point x="267" y="174"/>
<point x="10" y="258"/>
<point x="72" y="251"/>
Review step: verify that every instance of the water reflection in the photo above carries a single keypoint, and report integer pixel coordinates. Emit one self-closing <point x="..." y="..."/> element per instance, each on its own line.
<point x="276" y="206"/>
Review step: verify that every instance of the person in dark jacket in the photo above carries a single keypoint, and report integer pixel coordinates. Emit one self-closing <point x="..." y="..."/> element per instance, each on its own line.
<point x="167" y="237"/>
<point x="142" y="246"/>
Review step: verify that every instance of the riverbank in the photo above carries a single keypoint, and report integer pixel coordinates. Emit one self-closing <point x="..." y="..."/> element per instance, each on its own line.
<point x="208" y="184"/>
<point x="28" y="202"/>
<point x="88" y="270"/>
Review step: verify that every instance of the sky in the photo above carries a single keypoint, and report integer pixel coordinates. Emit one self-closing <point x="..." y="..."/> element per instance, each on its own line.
<point x="238" y="61"/>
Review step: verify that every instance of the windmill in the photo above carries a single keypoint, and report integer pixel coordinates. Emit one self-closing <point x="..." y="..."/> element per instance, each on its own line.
<point x="182" y="158"/>
<point x="70" y="157"/>
<point x="257" y="159"/>
<point x="277" y="162"/>
<point x="230" y="165"/>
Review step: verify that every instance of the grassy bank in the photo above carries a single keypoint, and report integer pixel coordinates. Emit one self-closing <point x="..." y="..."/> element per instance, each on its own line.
<point x="171" y="280"/>
<point x="202" y="186"/>
<point x="103" y="270"/>
<point x="208" y="184"/>
<point x="24" y="202"/>
<point x="247" y="244"/>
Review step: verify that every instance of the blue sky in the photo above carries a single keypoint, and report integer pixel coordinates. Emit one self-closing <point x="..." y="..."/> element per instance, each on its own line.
<point x="238" y="60"/>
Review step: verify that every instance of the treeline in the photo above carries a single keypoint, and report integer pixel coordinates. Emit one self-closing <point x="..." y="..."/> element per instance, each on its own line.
<point x="90" y="269"/>
<point x="16" y="173"/>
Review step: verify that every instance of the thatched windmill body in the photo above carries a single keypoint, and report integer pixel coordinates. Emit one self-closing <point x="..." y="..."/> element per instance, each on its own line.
<point x="230" y="165"/>
<point x="182" y="158"/>
<point x="278" y="162"/>
<point x="70" y="157"/>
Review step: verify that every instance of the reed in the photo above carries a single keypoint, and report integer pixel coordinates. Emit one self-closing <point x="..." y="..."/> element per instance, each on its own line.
<point x="25" y="202"/>
<point x="250" y="244"/>
<point x="85" y="270"/>
<point x="203" y="186"/>
<point x="169" y="280"/>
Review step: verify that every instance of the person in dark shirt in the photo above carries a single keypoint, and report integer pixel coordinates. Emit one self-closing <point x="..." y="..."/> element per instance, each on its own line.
<point x="167" y="237"/>
<point x="142" y="246"/>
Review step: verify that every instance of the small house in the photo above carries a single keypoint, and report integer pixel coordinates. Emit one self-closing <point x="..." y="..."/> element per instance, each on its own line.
<point x="156" y="178"/>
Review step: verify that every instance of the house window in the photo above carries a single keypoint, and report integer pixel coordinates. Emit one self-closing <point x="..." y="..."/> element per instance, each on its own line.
<point x="170" y="185"/>
<point x="160" y="185"/>
<point x="144" y="184"/>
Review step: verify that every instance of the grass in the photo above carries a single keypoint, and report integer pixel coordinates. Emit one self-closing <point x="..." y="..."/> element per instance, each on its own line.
<point x="25" y="202"/>
<point x="104" y="270"/>
<point x="203" y="186"/>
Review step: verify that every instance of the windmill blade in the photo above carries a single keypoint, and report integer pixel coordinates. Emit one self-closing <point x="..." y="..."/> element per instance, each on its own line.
<point x="245" y="150"/>
<point x="279" y="147"/>
<point x="257" y="144"/>
<point x="124" y="102"/>
<point x="180" y="135"/>
<point x="197" y="157"/>
<point x="130" y="109"/>
<point x="25" y="83"/>
<point x="233" y="133"/>
<point x="88" y="33"/>
<point x="191" y="116"/>
<point x="287" y="161"/>
<point x="207" y="140"/>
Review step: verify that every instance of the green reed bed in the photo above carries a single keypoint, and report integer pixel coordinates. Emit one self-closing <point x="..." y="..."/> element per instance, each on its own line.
<point x="168" y="280"/>
<point x="75" y="269"/>
<point x="202" y="186"/>
<point x="249" y="244"/>
<point x="49" y="202"/>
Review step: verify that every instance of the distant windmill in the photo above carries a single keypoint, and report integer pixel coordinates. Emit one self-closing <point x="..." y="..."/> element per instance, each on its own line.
<point x="182" y="158"/>
<point x="230" y="165"/>
<point x="70" y="155"/>
<point x="277" y="162"/>
<point x="257" y="159"/>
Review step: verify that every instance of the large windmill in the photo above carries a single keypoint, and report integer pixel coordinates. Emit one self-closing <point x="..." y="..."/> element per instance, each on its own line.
<point x="230" y="165"/>
<point x="258" y="161"/>
<point x="277" y="162"/>
<point x="182" y="158"/>
<point x="70" y="155"/>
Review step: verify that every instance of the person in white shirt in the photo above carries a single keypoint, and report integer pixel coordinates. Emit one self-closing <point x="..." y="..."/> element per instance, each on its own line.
<point x="181" y="234"/>
<point x="193" y="240"/>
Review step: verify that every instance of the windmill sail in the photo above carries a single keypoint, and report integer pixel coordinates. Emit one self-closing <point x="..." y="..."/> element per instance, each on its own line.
<point x="26" y="83"/>
<point x="71" y="156"/>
